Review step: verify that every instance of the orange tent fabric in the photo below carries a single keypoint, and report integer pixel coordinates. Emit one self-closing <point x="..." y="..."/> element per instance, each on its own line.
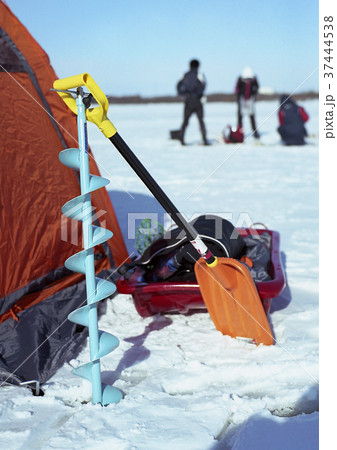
<point x="35" y="125"/>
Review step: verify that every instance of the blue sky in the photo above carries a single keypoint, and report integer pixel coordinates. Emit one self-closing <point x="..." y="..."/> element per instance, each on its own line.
<point x="144" y="46"/>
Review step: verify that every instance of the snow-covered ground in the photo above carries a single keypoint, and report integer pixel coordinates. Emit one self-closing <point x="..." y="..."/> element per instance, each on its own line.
<point x="186" y="385"/>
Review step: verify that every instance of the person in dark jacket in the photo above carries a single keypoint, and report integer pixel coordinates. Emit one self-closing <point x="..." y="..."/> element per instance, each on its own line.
<point x="192" y="87"/>
<point x="292" y="118"/>
<point x="246" y="90"/>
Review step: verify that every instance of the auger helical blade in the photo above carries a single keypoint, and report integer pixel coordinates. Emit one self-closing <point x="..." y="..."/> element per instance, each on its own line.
<point x="84" y="371"/>
<point x="77" y="208"/>
<point x="110" y="395"/>
<point x="107" y="344"/>
<point x="76" y="262"/>
<point x="96" y="182"/>
<point x="80" y="208"/>
<point x="71" y="158"/>
<point x="104" y="289"/>
<point x="100" y="235"/>
<point x="80" y="316"/>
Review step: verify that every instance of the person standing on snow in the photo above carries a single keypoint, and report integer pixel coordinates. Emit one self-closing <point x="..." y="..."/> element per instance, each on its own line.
<point x="246" y="90"/>
<point x="192" y="87"/>
<point x="292" y="119"/>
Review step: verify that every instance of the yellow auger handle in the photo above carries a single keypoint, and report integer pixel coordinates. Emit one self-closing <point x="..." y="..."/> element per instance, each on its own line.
<point x="97" y="115"/>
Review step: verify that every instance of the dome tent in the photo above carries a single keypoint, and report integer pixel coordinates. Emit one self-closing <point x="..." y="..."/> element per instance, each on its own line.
<point x="37" y="292"/>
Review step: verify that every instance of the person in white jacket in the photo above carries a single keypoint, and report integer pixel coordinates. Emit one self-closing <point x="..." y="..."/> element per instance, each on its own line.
<point x="246" y="90"/>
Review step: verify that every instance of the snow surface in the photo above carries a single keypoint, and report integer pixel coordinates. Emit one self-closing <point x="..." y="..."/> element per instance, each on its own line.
<point x="186" y="386"/>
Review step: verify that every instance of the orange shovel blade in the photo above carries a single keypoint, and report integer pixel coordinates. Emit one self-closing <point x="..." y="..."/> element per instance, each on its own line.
<point x="233" y="301"/>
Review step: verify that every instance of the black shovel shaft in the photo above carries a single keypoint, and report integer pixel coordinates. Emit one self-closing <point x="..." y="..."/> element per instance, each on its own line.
<point x="152" y="185"/>
<point x="157" y="191"/>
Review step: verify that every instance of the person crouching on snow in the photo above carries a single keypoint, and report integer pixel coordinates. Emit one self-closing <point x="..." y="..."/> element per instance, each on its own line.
<point x="292" y="118"/>
<point x="192" y="87"/>
<point x="246" y="90"/>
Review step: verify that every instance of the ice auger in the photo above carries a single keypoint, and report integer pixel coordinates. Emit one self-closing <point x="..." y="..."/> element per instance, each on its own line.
<point x="80" y="208"/>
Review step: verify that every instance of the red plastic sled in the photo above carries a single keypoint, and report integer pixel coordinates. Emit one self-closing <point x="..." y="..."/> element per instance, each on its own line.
<point x="173" y="296"/>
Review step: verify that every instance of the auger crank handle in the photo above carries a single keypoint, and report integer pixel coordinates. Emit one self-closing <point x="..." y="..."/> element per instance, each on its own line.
<point x="96" y="115"/>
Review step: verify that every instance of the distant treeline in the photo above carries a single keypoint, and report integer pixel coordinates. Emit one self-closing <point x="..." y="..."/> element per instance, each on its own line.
<point x="210" y="98"/>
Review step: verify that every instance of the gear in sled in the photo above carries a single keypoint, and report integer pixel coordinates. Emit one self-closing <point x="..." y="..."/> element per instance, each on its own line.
<point x="163" y="279"/>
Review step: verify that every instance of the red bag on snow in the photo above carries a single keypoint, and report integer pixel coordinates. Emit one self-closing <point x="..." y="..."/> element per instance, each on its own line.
<point x="233" y="135"/>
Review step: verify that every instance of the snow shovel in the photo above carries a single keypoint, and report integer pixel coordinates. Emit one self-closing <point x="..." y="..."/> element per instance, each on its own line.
<point x="226" y="285"/>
